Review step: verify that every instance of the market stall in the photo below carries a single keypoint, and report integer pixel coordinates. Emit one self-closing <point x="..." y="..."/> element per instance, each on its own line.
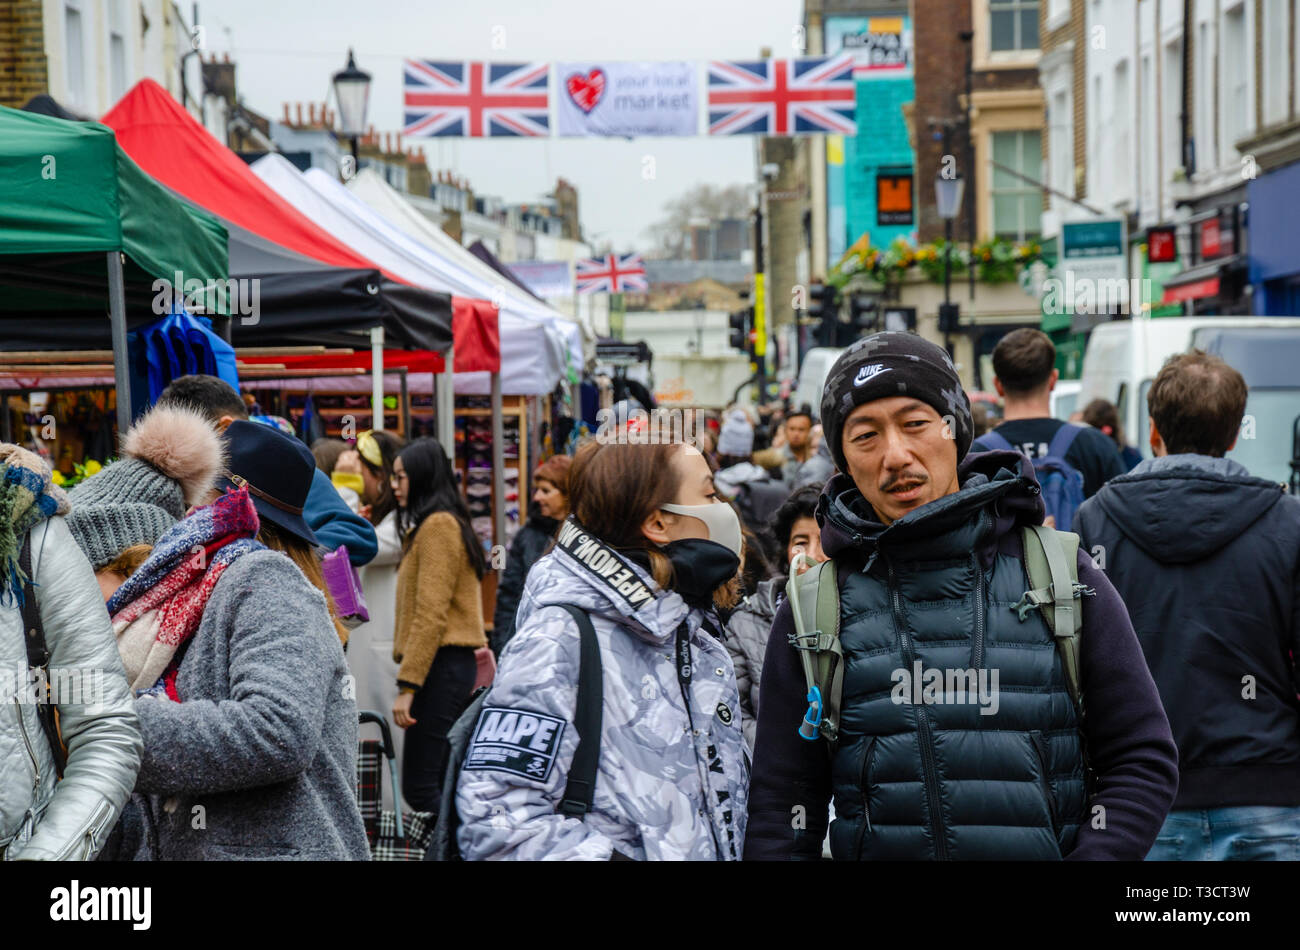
<point x="84" y="229"/>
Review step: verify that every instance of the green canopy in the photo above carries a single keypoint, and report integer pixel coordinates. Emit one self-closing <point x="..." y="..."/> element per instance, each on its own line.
<point x="81" y="225"/>
<point x="69" y="188"/>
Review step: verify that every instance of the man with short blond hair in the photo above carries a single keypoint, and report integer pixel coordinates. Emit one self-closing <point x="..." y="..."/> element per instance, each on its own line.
<point x="1207" y="557"/>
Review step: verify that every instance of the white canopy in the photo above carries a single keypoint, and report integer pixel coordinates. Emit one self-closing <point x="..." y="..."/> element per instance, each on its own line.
<point x="371" y="188"/>
<point x="475" y="279"/>
<point x="533" y="353"/>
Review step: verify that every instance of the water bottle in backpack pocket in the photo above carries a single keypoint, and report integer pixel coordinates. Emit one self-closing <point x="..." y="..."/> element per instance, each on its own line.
<point x="1060" y="482"/>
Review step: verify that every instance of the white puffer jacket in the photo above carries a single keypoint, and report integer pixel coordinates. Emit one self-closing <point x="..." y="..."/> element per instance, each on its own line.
<point x="41" y="820"/>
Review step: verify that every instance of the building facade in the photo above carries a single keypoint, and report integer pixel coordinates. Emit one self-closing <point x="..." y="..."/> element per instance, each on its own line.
<point x="1186" y="119"/>
<point x="87" y="53"/>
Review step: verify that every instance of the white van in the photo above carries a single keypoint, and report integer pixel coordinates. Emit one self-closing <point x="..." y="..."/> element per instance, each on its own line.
<point x="1123" y="358"/>
<point x="817" y="364"/>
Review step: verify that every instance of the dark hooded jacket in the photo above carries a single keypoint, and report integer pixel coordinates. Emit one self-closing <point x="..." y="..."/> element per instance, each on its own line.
<point x="532" y="541"/>
<point x="948" y="779"/>
<point x="1208" y="560"/>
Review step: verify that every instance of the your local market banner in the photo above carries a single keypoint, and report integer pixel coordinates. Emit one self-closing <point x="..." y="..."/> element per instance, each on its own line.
<point x="545" y="278"/>
<point x="625" y="99"/>
<point x="804" y="96"/>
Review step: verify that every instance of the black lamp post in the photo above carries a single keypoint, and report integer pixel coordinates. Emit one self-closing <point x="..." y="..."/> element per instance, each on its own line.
<point x="947" y="195"/>
<point x="352" y="92"/>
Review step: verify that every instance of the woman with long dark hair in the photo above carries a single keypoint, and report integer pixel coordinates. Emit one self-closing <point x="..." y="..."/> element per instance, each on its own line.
<point x="439" y="621"/>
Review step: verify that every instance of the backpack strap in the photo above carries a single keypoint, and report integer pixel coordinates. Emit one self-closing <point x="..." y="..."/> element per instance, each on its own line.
<point x="1063" y="439"/>
<point x="815" y="603"/>
<point x="581" y="787"/>
<point x="1053" y="570"/>
<point x="995" y="440"/>
<point x="38" y="654"/>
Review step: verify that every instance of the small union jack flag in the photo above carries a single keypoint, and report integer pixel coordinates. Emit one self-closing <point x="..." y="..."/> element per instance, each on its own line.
<point x="613" y="274"/>
<point x="782" y="96"/>
<point x="475" y="99"/>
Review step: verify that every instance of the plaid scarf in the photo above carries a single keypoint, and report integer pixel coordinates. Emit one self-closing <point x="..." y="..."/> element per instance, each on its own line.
<point x="158" y="609"/>
<point x="27" y="497"/>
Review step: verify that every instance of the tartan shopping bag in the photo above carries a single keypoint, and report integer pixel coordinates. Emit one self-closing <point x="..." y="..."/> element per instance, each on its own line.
<point x="393" y="835"/>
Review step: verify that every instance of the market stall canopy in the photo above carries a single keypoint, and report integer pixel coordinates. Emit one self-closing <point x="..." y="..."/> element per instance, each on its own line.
<point x="72" y="195"/>
<point x="531" y="362"/>
<point x="480" y="278"/>
<point x="175" y="149"/>
<point x="461" y="269"/>
<point x="303" y="301"/>
<point x="48" y="105"/>
<point x="480" y="250"/>
<point x="272" y="241"/>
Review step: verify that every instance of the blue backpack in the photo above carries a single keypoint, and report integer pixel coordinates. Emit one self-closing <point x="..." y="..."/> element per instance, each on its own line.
<point x="1061" y="483"/>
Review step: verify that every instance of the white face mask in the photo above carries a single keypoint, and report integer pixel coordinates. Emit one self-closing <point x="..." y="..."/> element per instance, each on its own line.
<point x="718" y="517"/>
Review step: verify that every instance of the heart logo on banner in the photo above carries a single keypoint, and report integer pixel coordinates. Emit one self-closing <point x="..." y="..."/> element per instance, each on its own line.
<point x="586" y="90"/>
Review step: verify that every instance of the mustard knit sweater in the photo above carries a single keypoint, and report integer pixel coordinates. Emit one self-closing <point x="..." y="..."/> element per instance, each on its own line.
<point x="438" y="599"/>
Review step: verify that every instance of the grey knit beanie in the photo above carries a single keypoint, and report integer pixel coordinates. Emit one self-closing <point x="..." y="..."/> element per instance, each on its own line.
<point x="105" y="531"/>
<point x="171" y="458"/>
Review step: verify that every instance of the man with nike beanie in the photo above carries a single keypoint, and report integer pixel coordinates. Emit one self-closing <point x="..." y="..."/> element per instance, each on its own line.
<point x="928" y="557"/>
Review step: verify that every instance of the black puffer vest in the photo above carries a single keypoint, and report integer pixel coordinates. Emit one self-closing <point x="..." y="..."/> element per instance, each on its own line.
<point x="987" y="762"/>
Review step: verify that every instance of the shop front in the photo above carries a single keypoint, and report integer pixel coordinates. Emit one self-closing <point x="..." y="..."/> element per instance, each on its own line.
<point x="1275" y="254"/>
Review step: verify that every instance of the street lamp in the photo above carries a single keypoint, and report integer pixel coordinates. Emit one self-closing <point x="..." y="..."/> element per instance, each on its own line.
<point x="947" y="198"/>
<point x="352" y="92"/>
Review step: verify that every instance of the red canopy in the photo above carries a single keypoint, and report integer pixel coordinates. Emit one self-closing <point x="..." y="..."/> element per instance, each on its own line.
<point x="414" y="361"/>
<point x="476" y="335"/>
<point x="170" y="145"/>
<point x="473" y="330"/>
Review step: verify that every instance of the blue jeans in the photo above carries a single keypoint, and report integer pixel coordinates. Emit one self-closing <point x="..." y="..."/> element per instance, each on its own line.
<point x="1245" y="833"/>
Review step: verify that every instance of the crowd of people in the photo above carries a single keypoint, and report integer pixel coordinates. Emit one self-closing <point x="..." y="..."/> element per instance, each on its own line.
<point x="873" y="629"/>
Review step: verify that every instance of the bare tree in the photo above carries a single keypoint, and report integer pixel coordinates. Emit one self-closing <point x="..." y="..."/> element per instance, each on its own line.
<point x="670" y="236"/>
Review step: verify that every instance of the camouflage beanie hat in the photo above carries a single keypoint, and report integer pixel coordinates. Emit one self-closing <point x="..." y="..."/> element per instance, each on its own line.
<point x="893" y="363"/>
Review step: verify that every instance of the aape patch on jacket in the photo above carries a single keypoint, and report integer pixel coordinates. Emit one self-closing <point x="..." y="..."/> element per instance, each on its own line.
<point x="517" y="741"/>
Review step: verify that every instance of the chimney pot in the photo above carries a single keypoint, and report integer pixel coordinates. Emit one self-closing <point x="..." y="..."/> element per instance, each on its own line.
<point x="311" y="113"/>
<point x="286" y="113"/>
<point x="298" y="106"/>
<point x="225" y="58"/>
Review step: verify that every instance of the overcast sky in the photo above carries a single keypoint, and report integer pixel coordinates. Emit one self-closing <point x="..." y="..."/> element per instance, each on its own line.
<point x="287" y="50"/>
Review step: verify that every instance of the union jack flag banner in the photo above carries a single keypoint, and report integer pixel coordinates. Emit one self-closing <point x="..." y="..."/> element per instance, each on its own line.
<point x="782" y="96"/>
<point x="475" y="99"/>
<point x="613" y="274"/>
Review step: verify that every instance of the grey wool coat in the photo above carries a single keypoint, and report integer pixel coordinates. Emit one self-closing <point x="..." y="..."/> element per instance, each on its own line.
<point x="258" y="762"/>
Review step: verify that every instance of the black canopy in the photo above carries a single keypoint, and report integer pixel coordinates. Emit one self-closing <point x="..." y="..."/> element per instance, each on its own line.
<point x="300" y="302"/>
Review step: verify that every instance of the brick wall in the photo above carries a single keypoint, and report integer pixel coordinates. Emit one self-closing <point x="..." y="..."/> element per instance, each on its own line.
<point x="941" y="82"/>
<point x="23" y="66"/>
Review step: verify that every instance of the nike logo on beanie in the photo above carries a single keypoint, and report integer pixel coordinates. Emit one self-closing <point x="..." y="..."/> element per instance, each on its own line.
<point x="867" y="372"/>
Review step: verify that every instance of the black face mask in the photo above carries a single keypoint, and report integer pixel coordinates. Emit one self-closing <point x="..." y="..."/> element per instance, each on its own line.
<point x="700" y="567"/>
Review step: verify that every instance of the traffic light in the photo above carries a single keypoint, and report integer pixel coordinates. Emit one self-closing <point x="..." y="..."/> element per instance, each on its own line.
<point x="862" y="312"/>
<point x="738" y="335"/>
<point x="949" y="317"/>
<point x="824" y="307"/>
